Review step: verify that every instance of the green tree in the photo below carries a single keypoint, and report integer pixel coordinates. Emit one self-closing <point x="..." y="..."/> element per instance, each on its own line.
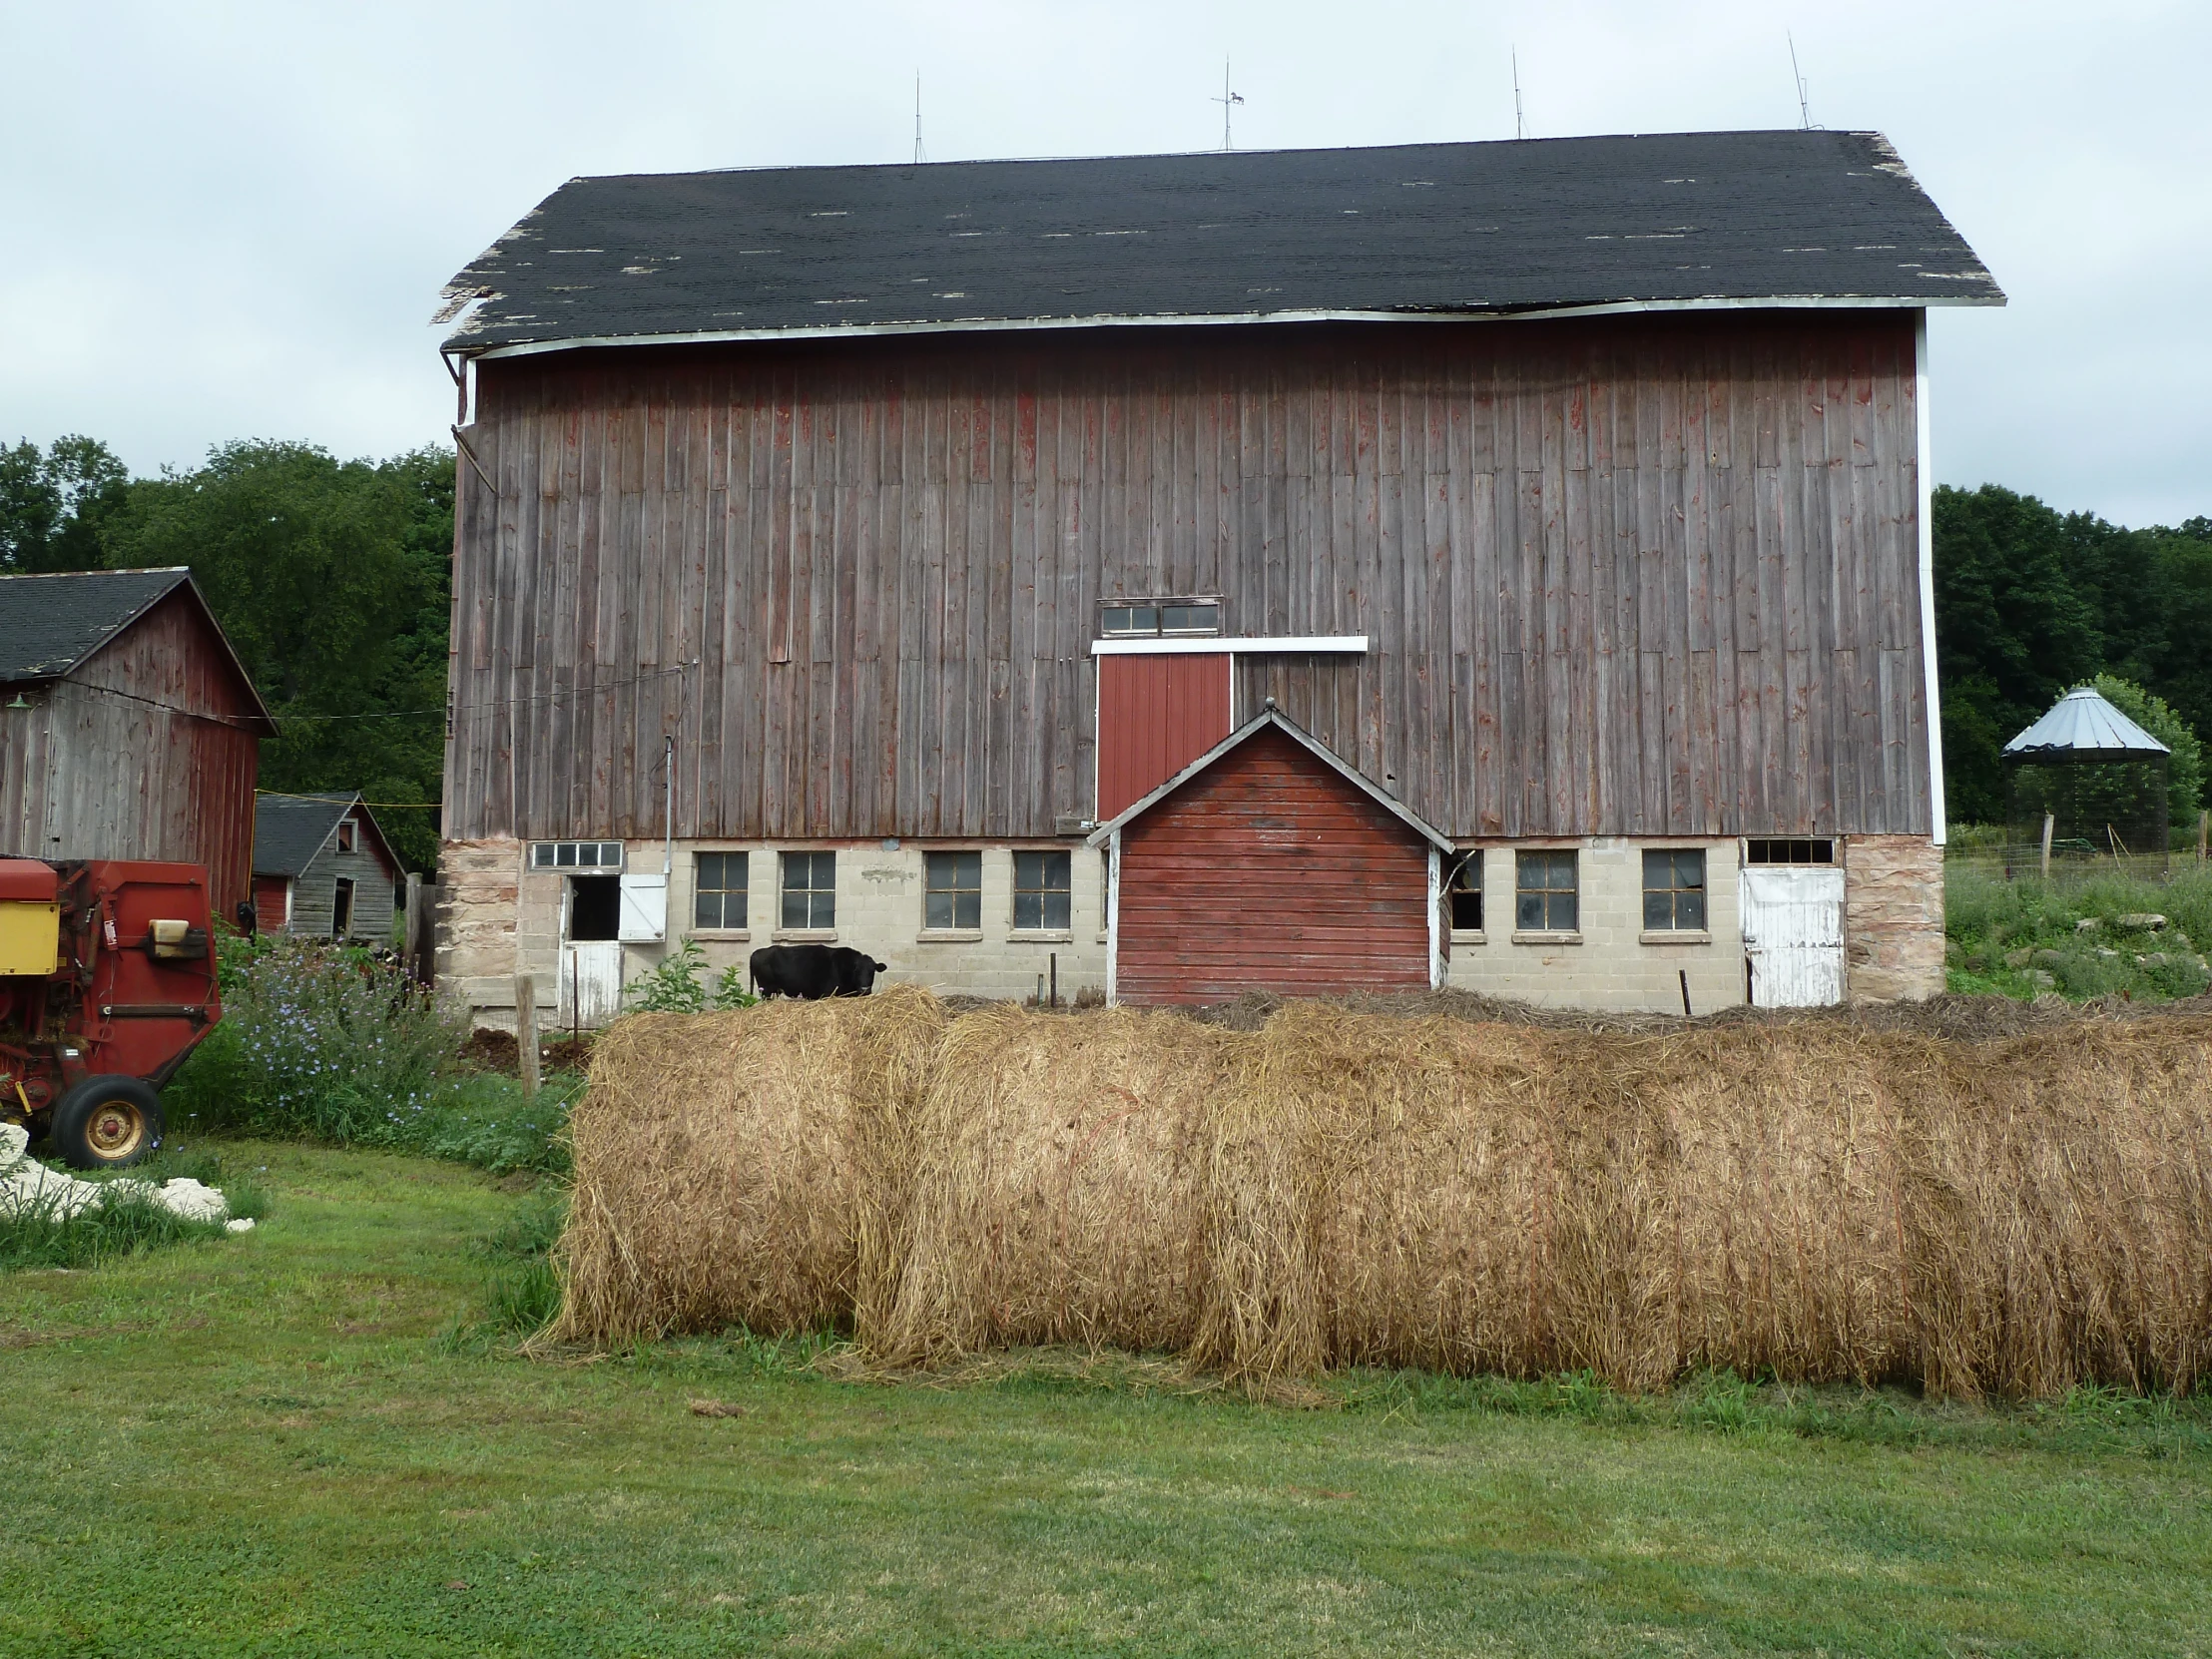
<point x="2185" y="764"/>
<point x="52" y="504"/>
<point x="2012" y="633"/>
<point x="331" y="580"/>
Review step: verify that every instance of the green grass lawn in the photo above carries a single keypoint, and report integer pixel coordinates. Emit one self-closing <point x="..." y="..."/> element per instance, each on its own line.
<point x="270" y="1444"/>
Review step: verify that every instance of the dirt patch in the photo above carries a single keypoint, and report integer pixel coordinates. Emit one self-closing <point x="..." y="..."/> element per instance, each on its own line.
<point x="497" y="1051"/>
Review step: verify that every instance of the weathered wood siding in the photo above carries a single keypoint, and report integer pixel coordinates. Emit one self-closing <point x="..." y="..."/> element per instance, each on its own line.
<point x="1268" y="871"/>
<point x="1638" y="575"/>
<point x="314" y="893"/>
<point x="145" y="751"/>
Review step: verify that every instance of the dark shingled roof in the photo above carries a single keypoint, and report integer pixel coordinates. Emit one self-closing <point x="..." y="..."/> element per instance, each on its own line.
<point x="50" y="624"/>
<point x="289" y="830"/>
<point x="1794" y="218"/>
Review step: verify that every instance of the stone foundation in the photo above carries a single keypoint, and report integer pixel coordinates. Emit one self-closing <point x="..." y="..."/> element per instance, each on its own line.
<point x="474" y="942"/>
<point x="1893" y="917"/>
<point x="496" y="919"/>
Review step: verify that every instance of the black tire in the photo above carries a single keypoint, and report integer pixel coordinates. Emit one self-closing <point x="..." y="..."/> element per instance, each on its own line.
<point x="108" y="1123"/>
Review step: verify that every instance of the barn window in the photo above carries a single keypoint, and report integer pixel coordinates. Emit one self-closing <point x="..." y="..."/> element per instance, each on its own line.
<point x="811" y="890"/>
<point x="1153" y="617"/>
<point x="1467" y="894"/>
<point x="1041" y="882"/>
<point x="1795" y="851"/>
<point x="718" y="890"/>
<point x="954" y="890"/>
<point x="1674" y="890"/>
<point x="346" y="835"/>
<point x="576" y="856"/>
<point x="1545" y="893"/>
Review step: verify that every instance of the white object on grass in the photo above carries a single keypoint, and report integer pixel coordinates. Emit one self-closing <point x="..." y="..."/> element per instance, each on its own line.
<point x="29" y="1187"/>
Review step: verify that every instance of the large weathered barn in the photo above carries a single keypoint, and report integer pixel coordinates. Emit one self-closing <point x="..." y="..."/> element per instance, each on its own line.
<point x="854" y="544"/>
<point x="128" y="726"/>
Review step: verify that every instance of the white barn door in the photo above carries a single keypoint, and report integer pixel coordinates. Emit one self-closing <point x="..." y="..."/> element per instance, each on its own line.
<point x="1794" y="935"/>
<point x="591" y="983"/>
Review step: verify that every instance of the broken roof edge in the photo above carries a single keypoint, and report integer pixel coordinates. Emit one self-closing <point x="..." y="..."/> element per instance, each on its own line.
<point x="1269" y="716"/>
<point x="461" y="342"/>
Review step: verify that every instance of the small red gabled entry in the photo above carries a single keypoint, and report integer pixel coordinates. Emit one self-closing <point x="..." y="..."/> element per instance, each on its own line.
<point x="1272" y="869"/>
<point x="1156" y="715"/>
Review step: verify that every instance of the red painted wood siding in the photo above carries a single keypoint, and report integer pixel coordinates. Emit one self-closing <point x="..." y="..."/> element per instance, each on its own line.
<point x="273" y="902"/>
<point x="1268" y="871"/>
<point x="1156" y="715"/>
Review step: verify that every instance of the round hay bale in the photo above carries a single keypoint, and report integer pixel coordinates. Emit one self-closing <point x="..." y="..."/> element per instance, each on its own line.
<point x="743" y="1168"/>
<point x="1056" y="1189"/>
<point x="2061" y="1211"/>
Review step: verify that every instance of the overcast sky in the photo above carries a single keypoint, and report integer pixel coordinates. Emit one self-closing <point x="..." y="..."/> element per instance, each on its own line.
<point x="224" y="222"/>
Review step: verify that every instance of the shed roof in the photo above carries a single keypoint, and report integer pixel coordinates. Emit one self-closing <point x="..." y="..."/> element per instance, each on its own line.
<point x="50" y="623"/>
<point x="2084" y="722"/>
<point x="1431" y="230"/>
<point x="1272" y="717"/>
<point x="290" y="831"/>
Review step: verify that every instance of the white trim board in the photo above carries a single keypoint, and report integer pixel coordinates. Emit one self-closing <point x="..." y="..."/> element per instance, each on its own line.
<point x="1938" y="807"/>
<point x="1216" y="644"/>
<point x="983" y="325"/>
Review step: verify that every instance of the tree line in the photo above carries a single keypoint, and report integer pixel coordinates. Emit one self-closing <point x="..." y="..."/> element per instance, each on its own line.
<point x="333" y="580"/>
<point x="2031" y="602"/>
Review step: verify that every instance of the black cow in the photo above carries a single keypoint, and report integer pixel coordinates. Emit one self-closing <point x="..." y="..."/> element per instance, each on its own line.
<point x="813" y="972"/>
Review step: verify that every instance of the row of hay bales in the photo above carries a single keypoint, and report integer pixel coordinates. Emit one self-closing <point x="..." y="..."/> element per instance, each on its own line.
<point x="1814" y="1198"/>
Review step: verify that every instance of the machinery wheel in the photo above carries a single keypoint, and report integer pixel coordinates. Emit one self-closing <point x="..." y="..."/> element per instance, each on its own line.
<point x="107" y="1122"/>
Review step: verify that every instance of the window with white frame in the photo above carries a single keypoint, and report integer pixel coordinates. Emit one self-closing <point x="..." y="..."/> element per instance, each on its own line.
<point x="952" y="892"/>
<point x="1797" y="850"/>
<point x="810" y="891"/>
<point x="1674" y="890"/>
<point x="718" y="890"/>
<point x="1123" y="619"/>
<point x="1546" y="895"/>
<point x="1041" y="892"/>
<point x="1466" y="893"/>
<point x="594" y="856"/>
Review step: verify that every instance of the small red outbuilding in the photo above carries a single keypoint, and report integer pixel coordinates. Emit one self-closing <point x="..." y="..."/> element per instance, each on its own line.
<point x="1269" y="864"/>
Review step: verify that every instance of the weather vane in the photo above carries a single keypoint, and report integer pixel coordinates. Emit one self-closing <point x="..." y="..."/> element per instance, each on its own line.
<point x="1225" y="99"/>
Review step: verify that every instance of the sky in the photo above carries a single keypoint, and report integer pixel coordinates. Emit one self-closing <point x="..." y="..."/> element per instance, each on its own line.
<point x="232" y="222"/>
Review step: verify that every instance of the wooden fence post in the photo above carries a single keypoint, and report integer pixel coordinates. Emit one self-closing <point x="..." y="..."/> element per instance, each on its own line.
<point x="526" y="1028"/>
<point x="2204" y="834"/>
<point x="2051" y="822"/>
<point x="414" y="957"/>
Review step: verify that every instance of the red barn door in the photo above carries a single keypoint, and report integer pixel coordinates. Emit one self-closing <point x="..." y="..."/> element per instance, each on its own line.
<point x="1156" y="715"/>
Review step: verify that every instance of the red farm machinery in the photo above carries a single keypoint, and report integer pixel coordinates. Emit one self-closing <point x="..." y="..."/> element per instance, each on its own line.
<point x="106" y="981"/>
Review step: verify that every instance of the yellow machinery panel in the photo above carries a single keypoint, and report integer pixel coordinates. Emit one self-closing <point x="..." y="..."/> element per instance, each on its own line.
<point x="30" y="937"/>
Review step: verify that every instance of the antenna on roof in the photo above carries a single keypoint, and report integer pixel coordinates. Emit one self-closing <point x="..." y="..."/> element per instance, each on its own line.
<point x="1225" y="99"/>
<point x="920" y="155"/>
<point x="1804" y="110"/>
<point x="1520" y="131"/>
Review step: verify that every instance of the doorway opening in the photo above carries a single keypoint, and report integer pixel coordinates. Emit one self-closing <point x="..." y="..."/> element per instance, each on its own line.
<point x="594" y="908"/>
<point x="341" y="908"/>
